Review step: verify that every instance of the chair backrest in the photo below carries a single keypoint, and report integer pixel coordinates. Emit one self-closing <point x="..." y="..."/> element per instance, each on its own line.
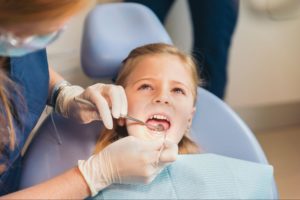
<point x="121" y="27"/>
<point x="111" y="31"/>
<point x="57" y="146"/>
<point x="218" y="129"/>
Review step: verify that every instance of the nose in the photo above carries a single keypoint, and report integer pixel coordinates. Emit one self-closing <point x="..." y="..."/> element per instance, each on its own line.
<point x="161" y="97"/>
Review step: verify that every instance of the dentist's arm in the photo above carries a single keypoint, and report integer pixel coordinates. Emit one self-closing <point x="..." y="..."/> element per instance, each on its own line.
<point x="129" y="160"/>
<point x="70" y="185"/>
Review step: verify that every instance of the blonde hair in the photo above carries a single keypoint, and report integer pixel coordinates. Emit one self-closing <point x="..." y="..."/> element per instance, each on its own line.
<point x="14" y="13"/>
<point x="186" y="145"/>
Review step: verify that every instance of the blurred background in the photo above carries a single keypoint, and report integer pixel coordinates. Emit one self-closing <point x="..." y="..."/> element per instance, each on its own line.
<point x="263" y="75"/>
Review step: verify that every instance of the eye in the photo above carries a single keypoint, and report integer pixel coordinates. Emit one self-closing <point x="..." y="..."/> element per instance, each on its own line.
<point x="145" y="87"/>
<point x="179" y="90"/>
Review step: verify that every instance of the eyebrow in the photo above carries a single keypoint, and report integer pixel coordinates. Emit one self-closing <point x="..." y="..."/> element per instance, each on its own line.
<point x="142" y="79"/>
<point x="146" y="78"/>
<point x="180" y="83"/>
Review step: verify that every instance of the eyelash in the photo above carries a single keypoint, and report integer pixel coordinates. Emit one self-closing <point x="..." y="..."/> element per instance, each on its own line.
<point x="148" y="87"/>
<point x="144" y="87"/>
<point x="179" y="90"/>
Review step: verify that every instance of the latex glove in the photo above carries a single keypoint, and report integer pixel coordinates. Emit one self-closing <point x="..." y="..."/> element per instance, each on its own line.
<point x="103" y="96"/>
<point x="128" y="160"/>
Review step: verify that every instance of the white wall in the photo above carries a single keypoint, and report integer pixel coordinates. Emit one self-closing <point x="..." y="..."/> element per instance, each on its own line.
<point x="177" y="20"/>
<point x="264" y="65"/>
<point x="64" y="54"/>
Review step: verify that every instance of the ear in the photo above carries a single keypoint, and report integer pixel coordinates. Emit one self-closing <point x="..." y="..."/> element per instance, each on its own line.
<point x="121" y="121"/>
<point x="192" y="115"/>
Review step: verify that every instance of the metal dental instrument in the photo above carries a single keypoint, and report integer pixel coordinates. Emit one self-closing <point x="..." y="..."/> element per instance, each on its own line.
<point x="160" y="150"/>
<point x="159" y="127"/>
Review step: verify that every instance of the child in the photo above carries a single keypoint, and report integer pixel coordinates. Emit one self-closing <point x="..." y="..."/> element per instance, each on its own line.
<point x="161" y="88"/>
<point x="161" y="83"/>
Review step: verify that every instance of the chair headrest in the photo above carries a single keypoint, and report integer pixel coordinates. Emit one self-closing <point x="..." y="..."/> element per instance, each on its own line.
<point x="111" y="31"/>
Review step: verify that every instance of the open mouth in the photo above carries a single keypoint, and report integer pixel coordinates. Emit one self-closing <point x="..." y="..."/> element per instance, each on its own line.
<point x="159" y="120"/>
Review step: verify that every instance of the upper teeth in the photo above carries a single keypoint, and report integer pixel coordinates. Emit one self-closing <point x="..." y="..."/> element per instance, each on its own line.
<point x="159" y="117"/>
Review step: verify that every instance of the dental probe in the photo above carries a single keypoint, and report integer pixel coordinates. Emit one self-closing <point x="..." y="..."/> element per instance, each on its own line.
<point x="161" y="149"/>
<point x="159" y="127"/>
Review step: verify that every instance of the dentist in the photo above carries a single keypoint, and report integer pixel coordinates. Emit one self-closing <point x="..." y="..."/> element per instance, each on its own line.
<point x="27" y="84"/>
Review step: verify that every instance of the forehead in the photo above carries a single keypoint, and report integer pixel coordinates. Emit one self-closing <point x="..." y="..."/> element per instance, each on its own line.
<point x="161" y="67"/>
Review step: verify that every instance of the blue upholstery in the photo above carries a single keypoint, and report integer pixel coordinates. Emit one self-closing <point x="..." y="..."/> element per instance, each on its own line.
<point x="121" y="27"/>
<point x="51" y="153"/>
<point x="111" y="32"/>
<point x="220" y="130"/>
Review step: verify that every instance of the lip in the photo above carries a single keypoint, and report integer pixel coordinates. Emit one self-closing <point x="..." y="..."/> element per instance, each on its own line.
<point x="162" y="114"/>
<point x="154" y="134"/>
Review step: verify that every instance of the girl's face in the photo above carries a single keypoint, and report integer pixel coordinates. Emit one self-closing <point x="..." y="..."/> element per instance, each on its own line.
<point x="159" y="91"/>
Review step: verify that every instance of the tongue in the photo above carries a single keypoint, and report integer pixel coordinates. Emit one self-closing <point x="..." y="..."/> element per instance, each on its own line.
<point x="156" y="122"/>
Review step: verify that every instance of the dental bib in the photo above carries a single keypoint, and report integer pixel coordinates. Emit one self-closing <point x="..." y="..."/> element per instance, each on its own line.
<point x="201" y="176"/>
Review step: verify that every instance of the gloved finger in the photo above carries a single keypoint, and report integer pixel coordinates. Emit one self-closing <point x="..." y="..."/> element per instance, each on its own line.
<point x="152" y="162"/>
<point x="159" y="168"/>
<point x="94" y="115"/>
<point x="149" y="158"/>
<point x="150" y="179"/>
<point x="86" y="112"/>
<point x="124" y="103"/>
<point x="161" y="165"/>
<point x="116" y="101"/>
<point x="88" y="116"/>
<point x="151" y="145"/>
<point x="169" y="152"/>
<point x="103" y="109"/>
<point x="150" y="167"/>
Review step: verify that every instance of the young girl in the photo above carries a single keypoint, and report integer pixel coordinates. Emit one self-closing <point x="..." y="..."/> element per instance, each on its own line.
<point x="161" y="88"/>
<point x="160" y="84"/>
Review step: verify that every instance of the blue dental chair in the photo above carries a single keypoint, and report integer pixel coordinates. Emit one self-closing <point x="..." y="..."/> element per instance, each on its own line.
<point x="111" y="31"/>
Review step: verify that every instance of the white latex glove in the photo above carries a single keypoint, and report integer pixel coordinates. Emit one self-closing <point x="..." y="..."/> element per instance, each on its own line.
<point x="129" y="160"/>
<point x="103" y="96"/>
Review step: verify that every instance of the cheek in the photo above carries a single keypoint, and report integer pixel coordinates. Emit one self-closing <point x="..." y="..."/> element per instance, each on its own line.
<point x="130" y="101"/>
<point x="182" y="121"/>
<point x="137" y="131"/>
<point x="132" y="129"/>
<point x="182" y="124"/>
<point x="137" y="111"/>
<point x="136" y="101"/>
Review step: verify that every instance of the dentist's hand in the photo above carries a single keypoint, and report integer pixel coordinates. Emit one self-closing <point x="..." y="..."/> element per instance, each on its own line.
<point x="103" y="96"/>
<point x="129" y="160"/>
